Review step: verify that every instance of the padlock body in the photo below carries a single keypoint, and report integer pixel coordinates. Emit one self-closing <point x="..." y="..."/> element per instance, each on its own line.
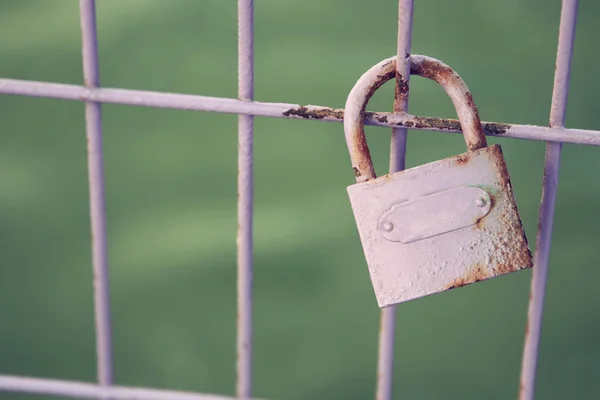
<point x="439" y="226"/>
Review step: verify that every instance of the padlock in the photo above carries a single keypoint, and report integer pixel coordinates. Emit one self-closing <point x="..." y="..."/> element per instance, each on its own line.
<point x="437" y="226"/>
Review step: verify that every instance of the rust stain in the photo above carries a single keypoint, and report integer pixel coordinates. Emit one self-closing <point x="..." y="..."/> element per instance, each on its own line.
<point x="379" y="81"/>
<point x="443" y="124"/>
<point x="476" y="274"/>
<point x="362" y="154"/>
<point x="471" y="102"/>
<point x="376" y="116"/>
<point x="492" y="199"/>
<point x="524" y="254"/>
<point x="504" y="269"/>
<point x="475" y="124"/>
<point x="401" y="89"/>
<point x="498" y="157"/>
<point x="388" y="62"/>
<point x="526" y="243"/>
<point x="463" y="159"/>
<point x="479" y="224"/>
<point x="496" y="128"/>
<point x="433" y="70"/>
<point x="407" y="124"/>
<point x="504" y="215"/>
<point x="316" y="113"/>
<point x="447" y="77"/>
<point x="360" y="151"/>
<point x="450" y="124"/>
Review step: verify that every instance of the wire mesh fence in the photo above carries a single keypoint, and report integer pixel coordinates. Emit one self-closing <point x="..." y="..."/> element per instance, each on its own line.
<point x="94" y="95"/>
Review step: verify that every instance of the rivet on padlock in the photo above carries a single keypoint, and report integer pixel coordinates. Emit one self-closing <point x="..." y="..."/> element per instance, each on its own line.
<point x="437" y="226"/>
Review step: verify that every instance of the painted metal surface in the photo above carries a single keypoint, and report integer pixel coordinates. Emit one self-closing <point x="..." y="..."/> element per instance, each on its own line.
<point x="558" y="110"/>
<point x="401" y="93"/>
<point x="387" y="324"/>
<point x="382" y="72"/>
<point x="95" y="156"/>
<point x="245" y="200"/>
<point x="494" y="246"/>
<point x="90" y="93"/>
<point x="83" y="390"/>
<point x="144" y="98"/>
<point x="434" y="214"/>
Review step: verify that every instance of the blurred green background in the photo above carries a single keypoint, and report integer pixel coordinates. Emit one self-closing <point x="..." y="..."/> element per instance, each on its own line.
<point x="171" y="199"/>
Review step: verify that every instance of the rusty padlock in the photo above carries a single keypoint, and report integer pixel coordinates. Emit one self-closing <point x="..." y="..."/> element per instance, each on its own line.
<point x="437" y="226"/>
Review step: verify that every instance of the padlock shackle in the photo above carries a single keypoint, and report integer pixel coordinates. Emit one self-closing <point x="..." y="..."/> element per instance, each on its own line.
<point x="375" y="77"/>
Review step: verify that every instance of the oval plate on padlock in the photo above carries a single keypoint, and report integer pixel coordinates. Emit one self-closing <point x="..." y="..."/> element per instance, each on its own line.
<point x="434" y="214"/>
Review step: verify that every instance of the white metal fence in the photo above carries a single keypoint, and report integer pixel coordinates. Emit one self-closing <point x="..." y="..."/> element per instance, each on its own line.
<point x="94" y="96"/>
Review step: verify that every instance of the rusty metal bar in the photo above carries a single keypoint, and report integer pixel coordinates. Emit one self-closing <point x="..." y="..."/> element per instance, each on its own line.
<point x="387" y="325"/>
<point x="287" y="110"/>
<point x="566" y="39"/>
<point x="188" y="102"/>
<point x="377" y="76"/>
<point x="245" y="199"/>
<point x="93" y="119"/>
<point x="82" y="390"/>
<point x="405" y="24"/>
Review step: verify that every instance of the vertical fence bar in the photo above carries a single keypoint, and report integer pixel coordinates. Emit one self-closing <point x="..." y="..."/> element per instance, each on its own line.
<point x="385" y="363"/>
<point x="93" y="120"/>
<point x="245" y="198"/>
<point x="405" y="24"/>
<point x="566" y="38"/>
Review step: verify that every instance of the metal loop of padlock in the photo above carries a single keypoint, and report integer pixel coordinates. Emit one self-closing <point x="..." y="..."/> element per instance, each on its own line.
<point x="437" y="226"/>
<point x="374" y="78"/>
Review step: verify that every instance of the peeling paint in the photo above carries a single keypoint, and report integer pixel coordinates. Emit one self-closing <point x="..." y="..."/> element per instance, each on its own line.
<point x="401" y="88"/>
<point x="496" y="128"/>
<point x="314" y="112"/>
<point x="476" y="274"/>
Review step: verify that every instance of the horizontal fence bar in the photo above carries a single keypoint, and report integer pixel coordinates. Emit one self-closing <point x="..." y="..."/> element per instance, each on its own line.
<point x="81" y="390"/>
<point x="282" y="110"/>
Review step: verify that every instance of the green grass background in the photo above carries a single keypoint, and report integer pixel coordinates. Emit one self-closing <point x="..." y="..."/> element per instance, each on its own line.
<point x="171" y="199"/>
